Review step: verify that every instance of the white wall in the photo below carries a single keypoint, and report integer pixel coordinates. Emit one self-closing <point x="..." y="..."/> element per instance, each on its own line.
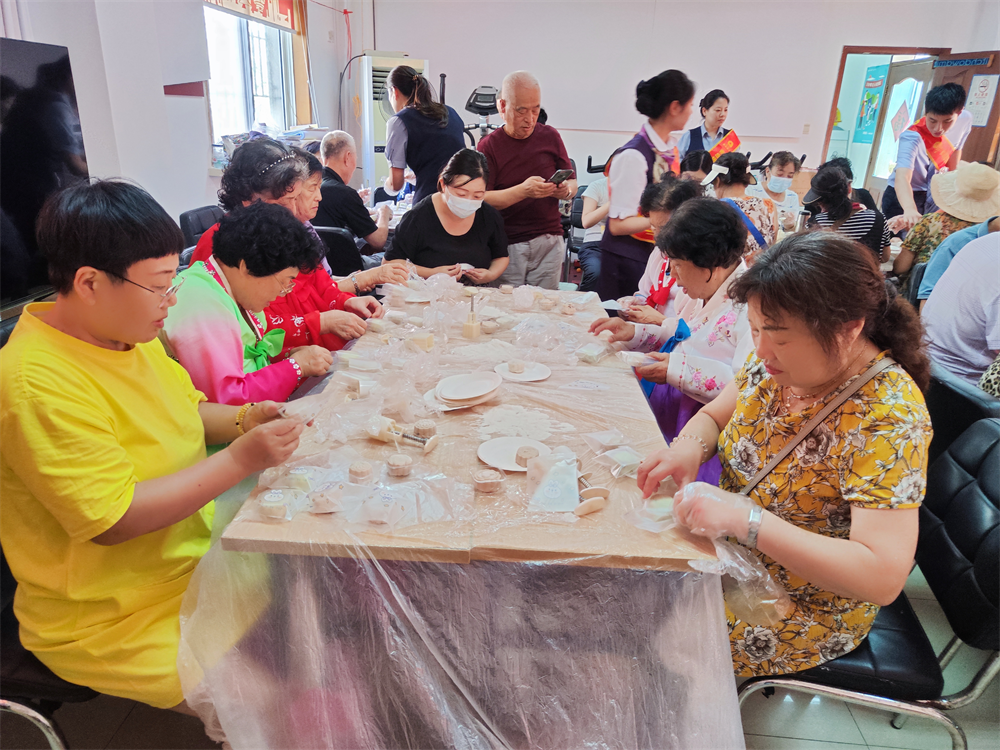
<point x="588" y="55"/>
<point x="778" y="60"/>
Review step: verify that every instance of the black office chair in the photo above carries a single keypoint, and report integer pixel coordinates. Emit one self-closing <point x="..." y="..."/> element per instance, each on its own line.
<point x="958" y="551"/>
<point x="954" y="406"/>
<point x="27" y="687"/>
<point x="916" y="276"/>
<point x="197" y="220"/>
<point x="570" y="224"/>
<point x="7" y="328"/>
<point x="341" y="251"/>
<point x="185" y="259"/>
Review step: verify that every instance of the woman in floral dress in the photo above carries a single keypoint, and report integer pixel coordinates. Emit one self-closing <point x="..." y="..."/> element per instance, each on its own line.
<point x="695" y="354"/>
<point x="820" y="315"/>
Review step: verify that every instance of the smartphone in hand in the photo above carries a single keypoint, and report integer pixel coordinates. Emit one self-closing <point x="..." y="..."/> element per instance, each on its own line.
<point x="560" y="176"/>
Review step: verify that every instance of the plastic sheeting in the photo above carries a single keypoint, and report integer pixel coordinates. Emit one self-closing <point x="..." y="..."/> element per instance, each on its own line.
<point x="490" y="625"/>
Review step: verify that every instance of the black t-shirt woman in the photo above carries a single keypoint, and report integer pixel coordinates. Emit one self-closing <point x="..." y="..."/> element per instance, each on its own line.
<point x="454" y="228"/>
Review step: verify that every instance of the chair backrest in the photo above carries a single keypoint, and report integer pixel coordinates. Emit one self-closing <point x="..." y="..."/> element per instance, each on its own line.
<point x="7" y="328"/>
<point x="916" y="276"/>
<point x="576" y="216"/>
<point x="959" y="547"/>
<point x="954" y="405"/>
<point x="197" y="220"/>
<point x="342" y="252"/>
<point x="186" y="254"/>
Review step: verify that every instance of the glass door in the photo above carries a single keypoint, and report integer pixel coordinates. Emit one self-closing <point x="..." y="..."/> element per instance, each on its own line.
<point x="906" y="86"/>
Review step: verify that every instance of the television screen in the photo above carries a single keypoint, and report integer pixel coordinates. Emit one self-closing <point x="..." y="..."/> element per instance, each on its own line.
<point x="41" y="150"/>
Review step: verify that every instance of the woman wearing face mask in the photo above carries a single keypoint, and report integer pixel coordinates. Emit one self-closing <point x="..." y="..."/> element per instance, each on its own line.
<point x="777" y="180"/>
<point x="453" y="227"/>
<point x="699" y="351"/>
<point x="714" y="111"/>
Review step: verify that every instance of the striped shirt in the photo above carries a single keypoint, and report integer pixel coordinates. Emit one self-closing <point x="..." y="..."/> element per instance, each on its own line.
<point x="865" y="226"/>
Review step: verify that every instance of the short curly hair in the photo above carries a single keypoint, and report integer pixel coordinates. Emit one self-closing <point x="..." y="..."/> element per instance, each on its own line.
<point x="260" y="168"/>
<point x="706" y="232"/>
<point x="268" y="238"/>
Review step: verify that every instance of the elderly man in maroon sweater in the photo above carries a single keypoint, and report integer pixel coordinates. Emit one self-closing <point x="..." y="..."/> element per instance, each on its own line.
<point x="522" y="156"/>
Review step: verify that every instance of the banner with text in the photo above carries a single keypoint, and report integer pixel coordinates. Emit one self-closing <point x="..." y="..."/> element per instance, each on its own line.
<point x="276" y="12"/>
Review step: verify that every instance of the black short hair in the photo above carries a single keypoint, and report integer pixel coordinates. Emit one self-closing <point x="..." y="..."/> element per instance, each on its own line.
<point x="945" y="99"/>
<point x="842" y="163"/>
<point x="268" y="238"/>
<point x="654" y="97"/>
<point x="706" y="232"/>
<point x="466" y="163"/>
<point x="833" y="192"/>
<point x="109" y="225"/>
<point x="710" y="99"/>
<point x="739" y="169"/>
<point x="781" y="158"/>
<point x="697" y="161"/>
<point x="668" y="194"/>
<point x="260" y="167"/>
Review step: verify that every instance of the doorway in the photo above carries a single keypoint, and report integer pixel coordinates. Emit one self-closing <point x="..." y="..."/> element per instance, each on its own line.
<point x="871" y="82"/>
<point x="906" y="85"/>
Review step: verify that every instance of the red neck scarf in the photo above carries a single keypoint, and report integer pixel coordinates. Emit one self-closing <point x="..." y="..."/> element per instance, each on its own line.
<point x="659" y="295"/>
<point x="939" y="148"/>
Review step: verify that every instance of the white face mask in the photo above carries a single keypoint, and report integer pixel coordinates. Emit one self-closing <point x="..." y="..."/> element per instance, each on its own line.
<point x="463" y="208"/>
<point x="778" y="184"/>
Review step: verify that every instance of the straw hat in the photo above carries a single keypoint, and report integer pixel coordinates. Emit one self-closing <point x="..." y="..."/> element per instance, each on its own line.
<point x="970" y="193"/>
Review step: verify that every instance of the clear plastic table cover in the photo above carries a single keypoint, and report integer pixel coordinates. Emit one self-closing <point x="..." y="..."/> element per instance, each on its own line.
<point x="491" y="626"/>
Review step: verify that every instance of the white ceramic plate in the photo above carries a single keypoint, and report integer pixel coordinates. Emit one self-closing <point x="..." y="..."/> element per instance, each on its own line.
<point x="500" y="453"/>
<point x="469" y="401"/>
<point x="431" y="400"/>
<point x="468" y="387"/>
<point x="533" y="371"/>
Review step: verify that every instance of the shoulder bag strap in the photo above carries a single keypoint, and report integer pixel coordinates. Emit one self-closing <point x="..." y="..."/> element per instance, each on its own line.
<point x="811" y="425"/>
<point x="754" y="231"/>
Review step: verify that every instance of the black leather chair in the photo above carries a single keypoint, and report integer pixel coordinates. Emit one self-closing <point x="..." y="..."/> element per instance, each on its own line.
<point x="7" y="328"/>
<point x="570" y="225"/>
<point x="916" y="276"/>
<point x="186" y="254"/>
<point x="954" y="405"/>
<point x="958" y="552"/>
<point x="27" y="687"/>
<point x="341" y="251"/>
<point x="197" y="220"/>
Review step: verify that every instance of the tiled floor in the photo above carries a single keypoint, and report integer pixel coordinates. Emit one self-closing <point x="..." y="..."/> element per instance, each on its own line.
<point x="783" y="722"/>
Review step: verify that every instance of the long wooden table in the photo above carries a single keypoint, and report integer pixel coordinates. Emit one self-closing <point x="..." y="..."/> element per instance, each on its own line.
<point x="501" y="527"/>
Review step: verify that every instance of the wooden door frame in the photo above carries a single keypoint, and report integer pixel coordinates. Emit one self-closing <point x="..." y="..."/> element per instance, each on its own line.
<point x="937" y="51"/>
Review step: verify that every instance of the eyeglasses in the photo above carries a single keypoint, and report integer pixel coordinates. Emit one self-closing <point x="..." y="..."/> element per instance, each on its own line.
<point x="171" y="290"/>
<point x="286" y="289"/>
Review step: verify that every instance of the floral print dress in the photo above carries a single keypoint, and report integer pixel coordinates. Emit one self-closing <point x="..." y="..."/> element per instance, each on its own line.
<point x="869" y="453"/>
<point x="924" y="238"/>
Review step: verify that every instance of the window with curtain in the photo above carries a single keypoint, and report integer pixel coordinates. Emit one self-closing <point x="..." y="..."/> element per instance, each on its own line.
<point x="252" y="83"/>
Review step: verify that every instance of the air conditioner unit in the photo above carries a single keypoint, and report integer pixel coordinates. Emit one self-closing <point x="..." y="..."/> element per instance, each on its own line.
<point x="376" y="110"/>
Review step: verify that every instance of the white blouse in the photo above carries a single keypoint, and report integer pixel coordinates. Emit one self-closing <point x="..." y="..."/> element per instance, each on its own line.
<point x="627" y="176"/>
<point x="702" y="365"/>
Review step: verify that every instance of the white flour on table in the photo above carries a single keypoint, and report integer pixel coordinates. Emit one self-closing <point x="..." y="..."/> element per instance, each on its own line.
<point x="517" y="421"/>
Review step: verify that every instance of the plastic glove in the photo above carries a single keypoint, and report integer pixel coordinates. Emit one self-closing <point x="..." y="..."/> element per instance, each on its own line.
<point x="711" y="512"/>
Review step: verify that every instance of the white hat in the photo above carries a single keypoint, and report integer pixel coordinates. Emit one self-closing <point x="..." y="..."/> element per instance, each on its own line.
<point x="970" y="193"/>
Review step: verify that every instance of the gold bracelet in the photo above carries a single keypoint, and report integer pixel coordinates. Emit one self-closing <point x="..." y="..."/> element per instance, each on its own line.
<point x="241" y="415"/>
